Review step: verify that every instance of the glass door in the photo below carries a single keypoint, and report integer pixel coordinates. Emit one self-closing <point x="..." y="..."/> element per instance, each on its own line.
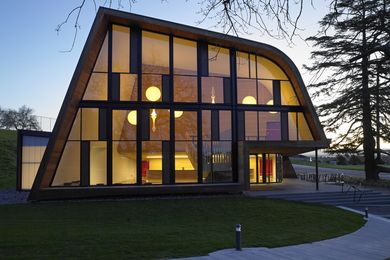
<point x="262" y="168"/>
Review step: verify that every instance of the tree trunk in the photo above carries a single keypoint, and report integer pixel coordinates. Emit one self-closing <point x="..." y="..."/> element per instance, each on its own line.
<point x="368" y="138"/>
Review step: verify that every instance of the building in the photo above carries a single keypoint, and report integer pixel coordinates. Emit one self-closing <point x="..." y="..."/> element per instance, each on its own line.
<point x="156" y="107"/>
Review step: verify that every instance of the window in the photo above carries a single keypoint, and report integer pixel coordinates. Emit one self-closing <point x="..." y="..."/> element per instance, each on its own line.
<point x="267" y="69"/>
<point x="151" y="88"/>
<point x="242" y="60"/>
<point x="155" y="53"/>
<point x="265" y="92"/>
<point x="217" y="162"/>
<point x="287" y="94"/>
<point x="225" y="125"/>
<point x="159" y="124"/>
<point x="292" y="126"/>
<point x="128" y="87"/>
<point x="68" y="171"/>
<point x="206" y="124"/>
<point x="246" y="91"/>
<point x="219" y="61"/>
<point x="124" y="162"/>
<point x="124" y="124"/>
<point x="76" y="127"/>
<point x="252" y="59"/>
<point x="101" y="64"/>
<point x="269" y="126"/>
<point x="184" y="57"/>
<point x="251" y="125"/>
<point x="98" y="163"/>
<point x="90" y="123"/>
<point x="212" y="90"/>
<point x="151" y="162"/>
<point x="186" y="162"/>
<point x="185" y="89"/>
<point x="186" y="125"/>
<point x="303" y="128"/>
<point x="97" y="87"/>
<point x="120" y="49"/>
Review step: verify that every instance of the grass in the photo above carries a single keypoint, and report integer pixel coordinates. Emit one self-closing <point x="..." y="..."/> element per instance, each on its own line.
<point x="149" y="229"/>
<point x="7" y="158"/>
<point x="359" y="167"/>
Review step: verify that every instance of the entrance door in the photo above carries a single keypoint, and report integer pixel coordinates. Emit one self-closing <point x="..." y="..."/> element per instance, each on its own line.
<point x="262" y="168"/>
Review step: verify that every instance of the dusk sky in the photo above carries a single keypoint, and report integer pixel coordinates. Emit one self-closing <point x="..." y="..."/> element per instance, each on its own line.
<point x="36" y="73"/>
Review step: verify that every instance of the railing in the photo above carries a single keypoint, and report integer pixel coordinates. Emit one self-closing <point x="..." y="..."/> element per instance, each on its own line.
<point x="46" y="123"/>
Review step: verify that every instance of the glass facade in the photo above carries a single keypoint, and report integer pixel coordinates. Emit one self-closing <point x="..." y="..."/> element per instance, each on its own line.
<point x="163" y="110"/>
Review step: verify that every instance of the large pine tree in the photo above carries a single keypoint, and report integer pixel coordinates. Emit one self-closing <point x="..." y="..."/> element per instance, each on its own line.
<point x="350" y="84"/>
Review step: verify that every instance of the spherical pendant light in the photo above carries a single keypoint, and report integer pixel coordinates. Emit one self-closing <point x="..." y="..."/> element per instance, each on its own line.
<point x="153" y="93"/>
<point x="132" y="117"/>
<point x="249" y="100"/>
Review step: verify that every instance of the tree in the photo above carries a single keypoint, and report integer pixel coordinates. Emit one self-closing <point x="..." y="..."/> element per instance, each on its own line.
<point x="22" y="118"/>
<point x="345" y="85"/>
<point x="276" y="18"/>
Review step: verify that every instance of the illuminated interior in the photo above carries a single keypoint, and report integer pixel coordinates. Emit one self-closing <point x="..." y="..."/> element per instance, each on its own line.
<point x="169" y="120"/>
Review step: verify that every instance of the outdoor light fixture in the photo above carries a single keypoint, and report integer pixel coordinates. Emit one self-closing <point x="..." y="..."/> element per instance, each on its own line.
<point x="132" y="117"/>
<point x="249" y="100"/>
<point x="153" y="115"/>
<point x="153" y="93"/>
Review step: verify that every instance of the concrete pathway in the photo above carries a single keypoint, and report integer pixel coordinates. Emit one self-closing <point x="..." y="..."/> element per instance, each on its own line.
<point x="372" y="241"/>
<point x="11" y="196"/>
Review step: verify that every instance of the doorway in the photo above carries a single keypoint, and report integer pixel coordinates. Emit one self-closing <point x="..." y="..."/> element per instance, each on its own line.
<point x="262" y="168"/>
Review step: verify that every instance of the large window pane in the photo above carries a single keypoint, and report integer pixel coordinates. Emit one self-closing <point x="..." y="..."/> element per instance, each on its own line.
<point x="155" y="53"/>
<point x="184" y="57"/>
<point x="267" y="69"/>
<point x="185" y="89"/>
<point x="124" y="162"/>
<point x="90" y="124"/>
<point x="222" y="161"/>
<point x="128" y="87"/>
<point x="186" y="162"/>
<point x="186" y="125"/>
<point x="269" y="126"/>
<point x="151" y="162"/>
<point x="303" y="128"/>
<point x="98" y="163"/>
<point x="212" y="90"/>
<point x="251" y="124"/>
<point x="97" y="87"/>
<point x="292" y="126"/>
<point x="225" y="125"/>
<point x="219" y="61"/>
<point x="151" y="88"/>
<point x="206" y="124"/>
<point x="253" y="66"/>
<point x="120" y="49"/>
<point x="246" y="91"/>
<point x="287" y="93"/>
<point x="124" y="124"/>
<point x="101" y="64"/>
<point x="159" y="124"/>
<point x="68" y="171"/>
<point x="242" y="64"/>
<point x="265" y="92"/>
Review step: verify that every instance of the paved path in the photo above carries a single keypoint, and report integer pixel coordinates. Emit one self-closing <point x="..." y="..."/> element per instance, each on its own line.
<point x="11" y="196"/>
<point x="353" y="173"/>
<point x="372" y="241"/>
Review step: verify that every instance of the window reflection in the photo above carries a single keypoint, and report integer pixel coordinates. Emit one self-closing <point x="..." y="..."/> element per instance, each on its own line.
<point x="217" y="162"/>
<point x="120" y="48"/>
<point x="265" y="92"/>
<point x="269" y="126"/>
<point x="97" y="87"/>
<point x="128" y="87"/>
<point x="184" y="57"/>
<point x="155" y="53"/>
<point x="186" y="125"/>
<point x="242" y="59"/>
<point x="124" y="162"/>
<point x="219" y="61"/>
<point x="185" y="89"/>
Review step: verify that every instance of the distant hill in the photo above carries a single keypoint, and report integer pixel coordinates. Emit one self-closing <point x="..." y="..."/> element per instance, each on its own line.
<point x="7" y="158"/>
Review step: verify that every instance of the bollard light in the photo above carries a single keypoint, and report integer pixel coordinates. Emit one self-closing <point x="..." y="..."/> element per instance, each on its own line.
<point x="238" y="237"/>
<point x="342" y="186"/>
<point x="366" y="213"/>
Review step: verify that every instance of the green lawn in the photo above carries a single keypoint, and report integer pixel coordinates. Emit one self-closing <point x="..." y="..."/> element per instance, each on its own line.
<point x="163" y="228"/>
<point x="7" y="158"/>
<point x="359" y="167"/>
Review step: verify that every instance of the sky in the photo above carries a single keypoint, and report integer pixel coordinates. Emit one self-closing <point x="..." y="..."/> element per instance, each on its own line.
<point x="34" y="71"/>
